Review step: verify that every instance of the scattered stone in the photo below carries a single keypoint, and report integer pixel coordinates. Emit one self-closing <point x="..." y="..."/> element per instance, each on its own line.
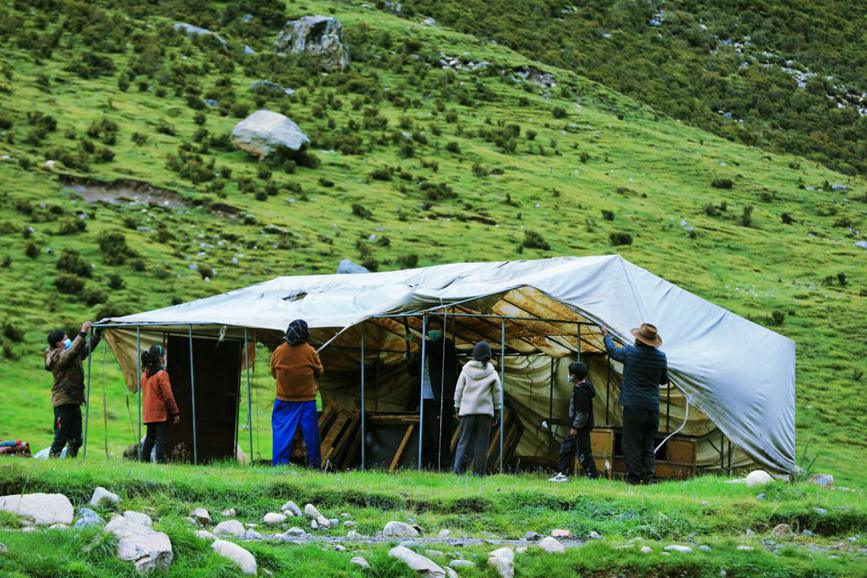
<point x="462" y="564"/>
<point x="314" y="525"/>
<point x="758" y="478"/>
<point x="353" y="535"/>
<point x="421" y="565"/>
<point x="807" y="533"/>
<point x="202" y="516"/>
<point x="102" y="497"/>
<point x="704" y="548"/>
<point x="825" y="480"/>
<point x="401" y="530"/>
<point x="274" y="519"/>
<point x="319" y="37"/>
<point x="863" y="245"/>
<point x="339" y="548"/>
<point x="252" y="534"/>
<point x="781" y="530"/>
<point x="205" y="535"/>
<point x="348" y="267"/>
<point x="88" y="518"/>
<point x="272" y="88"/>
<point x="444" y="534"/>
<point x="314" y="515"/>
<point x="744" y="548"/>
<point x="192" y="521"/>
<point x="345" y="515"/>
<point x="532" y="537"/>
<point x="820" y="511"/>
<point x="192" y="30"/>
<point x="229" y="513"/>
<point x="58" y="527"/>
<point x="333" y="522"/>
<point x="230" y="528"/>
<point x="451" y="573"/>
<point x="429" y="21"/>
<point x="295" y="532"/>
<point x="349" y="524"/>
<point x="139" y="543"/>
<point x="3" y="549"/>
<point x="42" y="509"/>
<point x="241" y="557"/>
<point x="561" y="534"/>
<point x="594" y="535"/>
<point x="551" y="545"/>
<point x="646" y="549"/>
<point x="761" y="496"/>
<point x="678" y="548"/>
<point x="503" y="561"/>
<point x="265" y="132"/>
<point x="749" y="533"/>
<point x="434" y="554"/>
<point x="361" y="562"/>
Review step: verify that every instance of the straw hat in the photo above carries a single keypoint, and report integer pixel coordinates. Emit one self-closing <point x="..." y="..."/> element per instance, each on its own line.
<point x="648" y="335"/>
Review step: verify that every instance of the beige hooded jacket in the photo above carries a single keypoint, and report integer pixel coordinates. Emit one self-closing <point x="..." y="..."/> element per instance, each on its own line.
<point x="478" y="390"/>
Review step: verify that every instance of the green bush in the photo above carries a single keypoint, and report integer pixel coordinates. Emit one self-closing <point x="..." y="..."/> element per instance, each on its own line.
<point x="70" y="261"/>
<point x="722" y="183"/>
<point x="114" y="248"/>
<point x="69" y="284"/>
<point x="620" y="238"/>
<point x="94" y="295"/>
<point x="360" y="210"/>
<point x="535" y="240"/>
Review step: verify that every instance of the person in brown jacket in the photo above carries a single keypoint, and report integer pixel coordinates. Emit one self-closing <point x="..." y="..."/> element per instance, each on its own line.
<point x="63" y="358"/>
<point x="296" y="367"/>
<point x="158" y="403"/>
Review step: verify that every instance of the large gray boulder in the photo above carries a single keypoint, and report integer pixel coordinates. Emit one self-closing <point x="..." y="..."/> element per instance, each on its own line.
<point x="348" y="267"/>
<point x="319" y="37"/>
<point x="421" y="565"/>
<point x="41" y="509"/>
<point x="264" y="132"/>
<point x="140" y="544"/>
<point x="245" y="561"/>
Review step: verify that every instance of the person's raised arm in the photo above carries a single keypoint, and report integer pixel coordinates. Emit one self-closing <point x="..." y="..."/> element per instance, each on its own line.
<point x="67" y="356"/>
<point x="617" y="353"/>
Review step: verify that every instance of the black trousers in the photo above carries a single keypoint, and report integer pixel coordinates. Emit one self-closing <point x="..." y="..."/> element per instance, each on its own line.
<point x="436" y="450"/>
<point x="156" y="436"/>
<point x="639" y="432"/>
<point x="473" y="444"/>
<point x="579" y="444"/>
<point x="67" y="429"/>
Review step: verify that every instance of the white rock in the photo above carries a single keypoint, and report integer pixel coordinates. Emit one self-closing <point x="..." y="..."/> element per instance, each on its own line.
<point x="594" y="535"/>
<point x="274" y="519"/>
<point x="826" y="480"/>
<point x="503" y="561"/>
<point x="434" y="554"/>
<point x="758" y="478"/>
<point x="42" y="509"/>
<point x="646" y="549"/>
<point x="205" y="535"/>
<point x="678" y="548"/>
<point x="202" y="516"/>
<point x="314" y="515"/>
<point x="314" y="525"/>
<point x="400" y="530"/>
<point x="521" y="550"/>
<point x="252" y="534"/>
<point x="704" y="548"/>
<point x="340" y="548"/>
<point x="295" y="532"/>
<point x="264" y="132"/>
<point x="139" y="543"/>
<point x="551" y="545"/>
<point x="3" y="549"/>
<point x="241" y="557"/>
<point x="349" y="524"/>
<point x="781" y="530"/>
<point x="462" y="564"/>
<point x="138" y="518"/>
<point x="744" y="548"/>
<point x="418" y="563"/>
<point x="361" y="562"/>
<point x="58" y="527"/>
<point x="102" y="497"/>
<point x="561" y="534"/>
<point x="444" y="533"/>
<point x="291" y="507"/>
<point x="230" y="528"/>
<point x="450" y="573"/>
<point x="228" y="513"/>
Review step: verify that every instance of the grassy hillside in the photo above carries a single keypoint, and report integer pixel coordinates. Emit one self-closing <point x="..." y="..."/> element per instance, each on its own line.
<point x="411" y="163"/>
<point x="706" y="512"/>
<point x="788" y="76"/>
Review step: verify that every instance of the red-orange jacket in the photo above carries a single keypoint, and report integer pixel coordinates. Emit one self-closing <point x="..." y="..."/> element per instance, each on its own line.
<point x="158" y="402"/>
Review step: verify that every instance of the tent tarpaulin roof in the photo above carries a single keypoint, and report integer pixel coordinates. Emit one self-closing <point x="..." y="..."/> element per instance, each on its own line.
<point x="737" y="372"/>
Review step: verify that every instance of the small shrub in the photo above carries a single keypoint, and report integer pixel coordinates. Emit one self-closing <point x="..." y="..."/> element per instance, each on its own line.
<point x="620" y="238"/>
<point x="94" y="295"/>
<point x="327" y="183"/>
<point x="69" y="284"/>
<point x="164" y="127"/>
<point x="787" y="219"/>
<point x="722" y="183"/>
<point x="535" y="240"/>
<point x="381" y="174"/>
<point x="778" y="317"/>
<point x="12" y="332"/>
<point x="409" y="261"/>
<point x="607" y="214"/>
<point x="115" y="282"/>
<point x="559" y="112"/>
<point x="114" y="247"/>
<point x="361" y="211"/>
<point x="585" y="156"/>
<point x="71" y="262"/>
<point x="6" y="262"/>
<point x="747" y="216"/>
<point x="453" y="147"/>
<point x="31" y="250"/>
<point x="531" y="134"/>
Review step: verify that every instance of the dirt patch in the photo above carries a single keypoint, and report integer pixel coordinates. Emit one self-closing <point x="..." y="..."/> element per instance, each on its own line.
<point x="124" y="191"/>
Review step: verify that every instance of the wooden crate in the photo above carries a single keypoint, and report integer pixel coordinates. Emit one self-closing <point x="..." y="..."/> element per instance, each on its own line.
<point x="681" y="450"/>
<point x="602" y="446"/>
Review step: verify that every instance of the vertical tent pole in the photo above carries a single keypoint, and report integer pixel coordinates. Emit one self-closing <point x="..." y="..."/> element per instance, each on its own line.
<point x="193" y="392"/>
<point x="722" y="442"/>
<point x="578" y="344"/>
<point x="363" y="429"/>
<point x="87" y="395"/>
<point x="138" y="386"/>
<point x="249" y="404"/>
<point x="668" y="409"/>
<point x="443" y="366"/>
<point x="502" y="386"/>
<point x="607" y="390"/>
<point x="421" y="388"/>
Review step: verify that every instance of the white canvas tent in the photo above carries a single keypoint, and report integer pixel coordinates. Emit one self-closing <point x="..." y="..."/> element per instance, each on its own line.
<point x="734" y="378"/>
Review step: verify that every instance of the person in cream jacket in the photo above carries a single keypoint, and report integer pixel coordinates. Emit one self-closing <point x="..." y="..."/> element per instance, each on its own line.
<point x="477" y="404"/>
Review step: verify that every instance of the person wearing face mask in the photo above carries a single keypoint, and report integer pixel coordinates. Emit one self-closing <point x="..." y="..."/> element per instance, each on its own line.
<point x="437" y="396"/>
<point x="158" y="403"/>
<point x="580" y="426"/>
<point x="63" y="358"/>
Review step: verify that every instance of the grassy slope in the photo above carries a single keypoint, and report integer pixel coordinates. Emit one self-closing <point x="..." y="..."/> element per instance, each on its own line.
<point x="701" y="511"/>
<point x="651" y="171"/>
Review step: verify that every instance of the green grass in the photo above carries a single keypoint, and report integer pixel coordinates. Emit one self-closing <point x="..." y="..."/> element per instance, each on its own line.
<point x="700" y="511"/>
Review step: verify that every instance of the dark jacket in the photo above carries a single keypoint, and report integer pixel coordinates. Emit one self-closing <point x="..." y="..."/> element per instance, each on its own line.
<point x="437" y="365"/>
<point x="65" y="366"/>
<point x="581" y="406"/>
<point x="645" y="368"/>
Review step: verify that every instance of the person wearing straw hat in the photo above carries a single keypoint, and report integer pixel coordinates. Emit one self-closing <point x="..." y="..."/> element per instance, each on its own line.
<point x="645" y="368"/>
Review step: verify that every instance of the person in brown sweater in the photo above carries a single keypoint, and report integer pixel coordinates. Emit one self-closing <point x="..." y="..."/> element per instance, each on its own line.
<point x="296" y="367"/>
<point x="158" y="403"/>
<point x="63" y="358"/>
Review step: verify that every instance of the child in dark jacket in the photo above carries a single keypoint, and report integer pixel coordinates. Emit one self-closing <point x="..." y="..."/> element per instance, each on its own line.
<point x="580" y="425"/>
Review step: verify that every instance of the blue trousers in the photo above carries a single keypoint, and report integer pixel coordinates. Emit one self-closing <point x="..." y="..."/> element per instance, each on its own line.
<point x="285" y="419"/>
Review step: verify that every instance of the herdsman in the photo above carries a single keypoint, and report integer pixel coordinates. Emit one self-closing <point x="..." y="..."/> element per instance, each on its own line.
<point x="645" y="368"/>
<point x="63" y="358"/>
